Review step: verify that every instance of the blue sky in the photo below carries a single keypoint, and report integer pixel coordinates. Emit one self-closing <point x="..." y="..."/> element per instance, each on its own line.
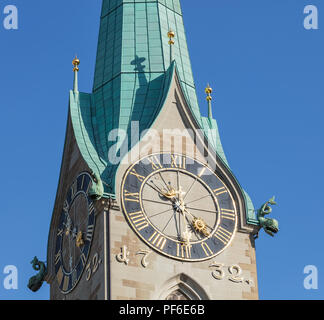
<point x="267" y="72"/>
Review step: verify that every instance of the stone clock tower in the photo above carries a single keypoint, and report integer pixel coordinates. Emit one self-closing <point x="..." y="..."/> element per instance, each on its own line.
<point x="147" y="206"/>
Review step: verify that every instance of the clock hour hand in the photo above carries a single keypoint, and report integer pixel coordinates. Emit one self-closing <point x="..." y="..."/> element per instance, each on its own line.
<point x="79" y="242"/>
<point x="72" y="231"/>
<point x="68" y="225"/>
<point x="199" y="224"/>
<point x="169" y="194"/>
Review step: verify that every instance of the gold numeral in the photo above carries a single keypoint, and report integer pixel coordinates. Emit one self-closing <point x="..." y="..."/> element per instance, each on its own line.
<point x="206" y="249"/>
<point x="134" y="197"/>
<point x="91" y="207"/>
<point x="139" y="220"/>
<point x="138" y="176"/>
<point x="157" y="240"/>
<point x="59" y="276"/>
<point x="220" y="191"/>
<point x="178" y="162"/>
<point x="202" y="171"/>
<point x="223" y="235"/>
<point x="155" y="163"/>
<point x="66" y="283"/>
<point x="228" y="214"/>
<point x="59" y="232"/>
<point x="184" y="250"/>
<point x="57" y="258"/>
<point x="90" y="230"/>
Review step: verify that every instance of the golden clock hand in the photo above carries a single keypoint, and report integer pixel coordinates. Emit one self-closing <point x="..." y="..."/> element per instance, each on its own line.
<point x="170" y="193"/>
<point x="199" y="224"/>
<point x="79" y="240"/>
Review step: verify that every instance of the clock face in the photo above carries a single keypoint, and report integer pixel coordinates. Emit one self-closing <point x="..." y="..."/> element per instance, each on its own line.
<point x="179" y="207"/>
<point x="74" y="234"/>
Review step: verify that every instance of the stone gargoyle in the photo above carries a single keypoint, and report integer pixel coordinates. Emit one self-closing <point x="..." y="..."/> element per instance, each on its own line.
<point x="97" y="189"/>
<point x="269" y="225"/>
<point x="36" y="281"/>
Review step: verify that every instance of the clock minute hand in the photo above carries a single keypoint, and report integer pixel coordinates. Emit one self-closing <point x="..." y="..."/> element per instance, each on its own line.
<point x="155" y="187"/>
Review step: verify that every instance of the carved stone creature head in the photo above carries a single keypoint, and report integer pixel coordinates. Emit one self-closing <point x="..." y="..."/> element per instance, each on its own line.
<point x="271" y="226"/>
<point x="96" y="191"/>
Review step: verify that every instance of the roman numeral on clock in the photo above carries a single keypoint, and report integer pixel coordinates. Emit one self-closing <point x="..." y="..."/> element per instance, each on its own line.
<point x="157" y="240"/>
<point x="178" y="162"/>
<point x="138" y="176"/>
<point x="66" y="281"/>
<point x="207" y="250"/>
<point x="59" y="276"/>
<point x="57" y="258"/>
<point x="139" y="220"/>
<point x="91" y="207"/>
<point x="220" y="191"/>
<point x="184" y="250"/>
<point x="202" y="172"/>
<point x="155" y="163"/>
<point x="133" y="197"/>
<point x="228" y="214"/>
<point x="223" y="235"/>
<point x="90" y="230"/>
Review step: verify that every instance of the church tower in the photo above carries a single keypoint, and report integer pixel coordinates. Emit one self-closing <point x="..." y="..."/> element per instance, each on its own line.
<point x="147" y="206"/>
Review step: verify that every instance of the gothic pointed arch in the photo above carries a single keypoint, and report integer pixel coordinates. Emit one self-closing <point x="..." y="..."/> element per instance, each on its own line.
<point x="182" y="287"/>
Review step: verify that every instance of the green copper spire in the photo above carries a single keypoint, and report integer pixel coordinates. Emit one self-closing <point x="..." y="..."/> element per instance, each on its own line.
<point x="134" y="54"/>
<point x="141" y="45"/>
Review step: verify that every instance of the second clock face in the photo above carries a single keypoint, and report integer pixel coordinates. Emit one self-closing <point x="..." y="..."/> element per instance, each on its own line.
<point x="179" y="207"/>
<point x="74" y="234"/>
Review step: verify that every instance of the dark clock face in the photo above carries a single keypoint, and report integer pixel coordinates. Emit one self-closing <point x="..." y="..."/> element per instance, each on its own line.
<point x="74" y="234"/>
<point x="179" y="207"/>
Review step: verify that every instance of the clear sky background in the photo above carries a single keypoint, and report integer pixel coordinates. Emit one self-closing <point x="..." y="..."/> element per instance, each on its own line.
<point x="267" y="73"/>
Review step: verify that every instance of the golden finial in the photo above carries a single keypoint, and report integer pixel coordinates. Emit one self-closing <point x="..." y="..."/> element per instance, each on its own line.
<point x="209" y="91"/>
<point x="171" y="35"/>
<point x="76" y="63"/>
